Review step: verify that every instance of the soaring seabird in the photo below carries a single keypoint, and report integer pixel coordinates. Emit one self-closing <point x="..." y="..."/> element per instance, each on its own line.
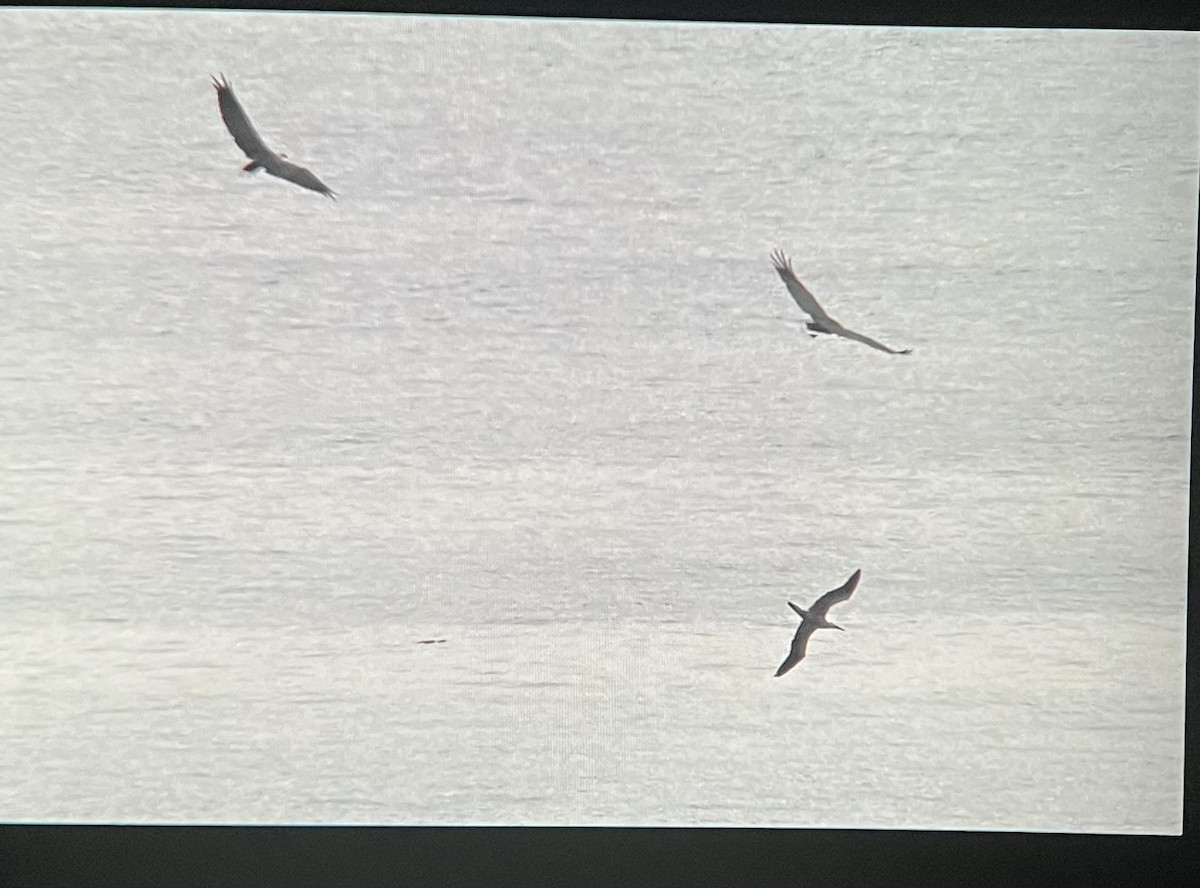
<point x="814" y="618"/>
<point x="260" y="155"/>
<point x="821" y="322"/>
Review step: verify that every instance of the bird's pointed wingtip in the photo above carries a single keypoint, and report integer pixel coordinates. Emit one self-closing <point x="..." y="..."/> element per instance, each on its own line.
<point x="787" y="666"/>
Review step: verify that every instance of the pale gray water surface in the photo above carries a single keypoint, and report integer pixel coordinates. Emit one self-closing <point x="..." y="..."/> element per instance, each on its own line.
<point x="532" y="386"/>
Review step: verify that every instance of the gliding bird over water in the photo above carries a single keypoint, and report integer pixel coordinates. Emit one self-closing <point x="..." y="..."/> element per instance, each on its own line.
<point x="261" y="157"/>
<point x="814" y="618"/>
<point x="821" y="322"/>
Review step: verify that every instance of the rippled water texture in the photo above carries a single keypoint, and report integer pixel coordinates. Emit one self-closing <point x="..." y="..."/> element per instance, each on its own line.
<point x="531" y="385"/>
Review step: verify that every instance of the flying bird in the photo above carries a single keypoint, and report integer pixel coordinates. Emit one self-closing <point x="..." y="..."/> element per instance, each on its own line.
<point x="243" y="132"/>
<point x="821" y="322"/>
<point x="814" y="618"/>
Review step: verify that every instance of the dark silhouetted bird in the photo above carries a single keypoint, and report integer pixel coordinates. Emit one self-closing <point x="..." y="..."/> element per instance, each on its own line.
<point x="821" y="322"/>
<point x="261" y="157"/>
<point x="814" y="618"/>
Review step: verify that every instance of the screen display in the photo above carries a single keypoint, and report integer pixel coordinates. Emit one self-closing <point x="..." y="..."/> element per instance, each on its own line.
<point x="434" y="420"/>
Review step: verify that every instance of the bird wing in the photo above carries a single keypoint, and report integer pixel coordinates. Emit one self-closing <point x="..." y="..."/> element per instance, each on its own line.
<point x="841" y="593"/>
<point x="838" y="330"/>
<point x="293" y="172"/>
<point x="238" y="123"/>
<point x="799" y="643"/>
<point x="806" y="300"/>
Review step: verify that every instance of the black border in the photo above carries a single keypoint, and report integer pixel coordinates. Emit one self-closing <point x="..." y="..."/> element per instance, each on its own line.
<point x="295" y="857"/>
<point x="525" y="857"/>
<point x="1113" y="14"/>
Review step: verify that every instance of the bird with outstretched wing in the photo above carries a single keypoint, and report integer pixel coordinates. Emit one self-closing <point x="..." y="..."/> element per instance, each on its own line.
<point x="821" y="321"/>
<point x="814" y="618"/>
<point x="261" y="157"/>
